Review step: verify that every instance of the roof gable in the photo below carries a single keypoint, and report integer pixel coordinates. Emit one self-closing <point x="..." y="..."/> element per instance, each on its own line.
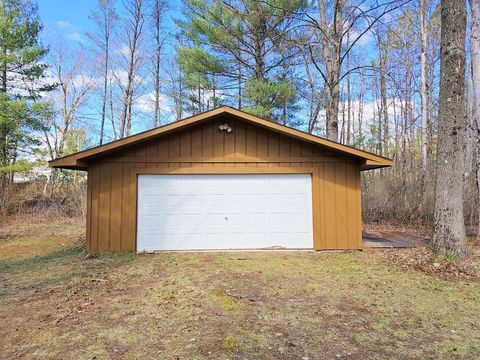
<point x="80" y="160"/>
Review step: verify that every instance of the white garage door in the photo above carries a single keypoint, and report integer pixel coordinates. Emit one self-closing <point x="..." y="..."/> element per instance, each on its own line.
<point x="193" y="212"/>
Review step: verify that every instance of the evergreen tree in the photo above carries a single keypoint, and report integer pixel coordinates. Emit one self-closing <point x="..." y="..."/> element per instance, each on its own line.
<point x="21" y="74"/>
<point x="248" y="46"/>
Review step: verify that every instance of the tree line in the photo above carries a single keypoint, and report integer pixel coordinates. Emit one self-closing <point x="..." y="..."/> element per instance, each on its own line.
<point x="369" y="74"/>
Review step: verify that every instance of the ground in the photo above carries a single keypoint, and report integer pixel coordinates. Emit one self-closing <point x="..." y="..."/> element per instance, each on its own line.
<point x="58" y="303"/>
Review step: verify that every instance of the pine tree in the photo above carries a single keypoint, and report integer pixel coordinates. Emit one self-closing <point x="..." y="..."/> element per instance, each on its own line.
<point x="249" y="38"/>
<point x="21" y="72"/>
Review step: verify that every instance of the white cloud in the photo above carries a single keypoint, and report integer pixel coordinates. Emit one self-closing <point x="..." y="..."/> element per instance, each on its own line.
<point x="145" y="103"/>
<point x="369" y="115"/>
<point x="120" y="76"/>
<point x="70" y="31"/>
<point x="365" y="39"/>
<point x="62" y="24"/>
<point x="75" y="36"/>
<point x="123" y="50"/>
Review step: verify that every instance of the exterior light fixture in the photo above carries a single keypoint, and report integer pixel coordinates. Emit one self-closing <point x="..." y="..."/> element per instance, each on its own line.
<point x="225" y="127"/>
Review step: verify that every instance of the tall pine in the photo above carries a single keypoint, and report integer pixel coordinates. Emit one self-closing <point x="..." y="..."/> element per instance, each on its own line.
<point x="244" y="46"/>
<point x="21" y="82"/>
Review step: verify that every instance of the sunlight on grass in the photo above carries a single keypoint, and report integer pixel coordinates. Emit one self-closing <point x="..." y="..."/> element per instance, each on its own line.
<point x="265" y="305"/>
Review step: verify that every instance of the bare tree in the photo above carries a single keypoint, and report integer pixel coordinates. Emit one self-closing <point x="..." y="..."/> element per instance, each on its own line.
<point x="74" y="86"/>
<point x="133" y="34"/>
<point x="158" y="9"/>
<point x="424" y="80"/>
<point x="383" y="109"/>
<point x="105" y="19"/>
<point x="349" y="95"/>
<point x="330" y="51"/>
<point x="449" y="226"/>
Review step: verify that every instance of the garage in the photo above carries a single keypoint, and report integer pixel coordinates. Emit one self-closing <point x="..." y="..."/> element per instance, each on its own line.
<point x="207" y="212"/>
<point x="223" y="179"/>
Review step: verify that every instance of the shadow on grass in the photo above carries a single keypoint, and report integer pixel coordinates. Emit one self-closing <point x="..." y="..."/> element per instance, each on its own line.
<point x="75" y="252"/>
<point x="17" y="265"/>
<point x="47" y="270"/>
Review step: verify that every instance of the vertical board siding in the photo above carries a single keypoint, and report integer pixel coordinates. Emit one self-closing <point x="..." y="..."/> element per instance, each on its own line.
<point x="330" y="206"/>
<point x="321" y="200"/>
<point x="89" y="208"/>
<point x="112" y="182"/>
<point x="125" y="207"/>
<point x="104" y="208"/>
<point x="95" y="189"/>
<point x="341" y="217"/>
<point x="116" y="203"/>
<point x="354" y="241"/>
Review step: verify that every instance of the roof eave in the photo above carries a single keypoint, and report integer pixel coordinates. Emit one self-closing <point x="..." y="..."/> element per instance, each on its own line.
<point x="372" y="165"/>
<point x="68" y="163"/>
<point x="80" y="160"/>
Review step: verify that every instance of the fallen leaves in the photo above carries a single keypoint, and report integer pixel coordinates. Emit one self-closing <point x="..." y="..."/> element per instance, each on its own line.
<point x="424" y="260"/>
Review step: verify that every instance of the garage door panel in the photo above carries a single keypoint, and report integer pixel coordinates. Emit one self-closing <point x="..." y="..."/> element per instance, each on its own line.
<point x="214" y="219"/>
<point x="183" y="212"/>
<point x="237" y="220"/>
<point x="257" y="239"/>
<point x="194" y="219"/>
<point x="193" y="199"/>
<point x="164" y="219"/>
<point x="235" y="199"/>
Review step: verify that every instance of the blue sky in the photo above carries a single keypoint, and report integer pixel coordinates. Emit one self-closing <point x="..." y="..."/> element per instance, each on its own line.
<point x="68" y="21"/>
<point x="67" y="18"/>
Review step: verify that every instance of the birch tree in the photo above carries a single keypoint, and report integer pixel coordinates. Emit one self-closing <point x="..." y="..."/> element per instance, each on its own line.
<point x="104" y="18"/>
<point x="383" y="108"/>
<point x="424" y="81"/>
<point x="330" y="48"/>
<point x="158" y="8"/>
<point x="131" y="41"/>
<point x="74" y="85"/>
<point x="449" y="226"/>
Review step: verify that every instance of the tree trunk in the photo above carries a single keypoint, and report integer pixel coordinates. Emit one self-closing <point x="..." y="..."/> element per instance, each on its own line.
<point x="331" y="50"/>
<point x="424" y="82"/>
<point x="361" y="97"/>
<point x="332" y="111"/>
<point x="180" y="93"/>
<point x="158" y="8"/>
<point x="449" y="225"/>
<point x="475" y="62"/>
<point x="349" y="96"/>
<point x="112" y="110"/>
<point x="105" y="88"/>
<point x="136" y="12"/>
<point x="470" y="133"/>
<point x="383" y="113"/>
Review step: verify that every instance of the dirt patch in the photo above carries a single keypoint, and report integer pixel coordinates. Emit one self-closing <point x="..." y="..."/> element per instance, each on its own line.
<point x="255" y="305"/>
<point x="392" y="235"/>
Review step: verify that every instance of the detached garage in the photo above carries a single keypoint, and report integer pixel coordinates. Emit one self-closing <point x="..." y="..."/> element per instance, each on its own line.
<point x="223" y="179"/>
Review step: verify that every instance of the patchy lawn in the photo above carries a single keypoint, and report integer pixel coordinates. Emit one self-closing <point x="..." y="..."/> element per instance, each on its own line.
<point x="56" y="304"/>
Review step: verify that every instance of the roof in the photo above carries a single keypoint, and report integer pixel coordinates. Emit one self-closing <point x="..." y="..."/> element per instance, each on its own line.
<point x="80" y="160"/>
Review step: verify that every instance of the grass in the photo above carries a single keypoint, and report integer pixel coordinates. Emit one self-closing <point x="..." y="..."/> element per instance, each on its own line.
<point x="255" y="305"/>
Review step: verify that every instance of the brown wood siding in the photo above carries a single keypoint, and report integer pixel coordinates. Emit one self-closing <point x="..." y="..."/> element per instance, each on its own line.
<point x="112" y="188"/>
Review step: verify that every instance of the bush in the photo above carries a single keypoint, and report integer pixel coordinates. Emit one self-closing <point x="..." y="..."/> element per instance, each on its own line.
<point x="405" y="197"/>
<point x="62" y="197"/>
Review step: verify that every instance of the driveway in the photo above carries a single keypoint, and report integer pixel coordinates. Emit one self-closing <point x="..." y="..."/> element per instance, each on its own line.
<point x="393" y="239"/>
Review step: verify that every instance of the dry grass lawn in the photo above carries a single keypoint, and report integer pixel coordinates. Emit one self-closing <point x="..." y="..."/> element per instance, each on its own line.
<point x="55" y="304"/>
